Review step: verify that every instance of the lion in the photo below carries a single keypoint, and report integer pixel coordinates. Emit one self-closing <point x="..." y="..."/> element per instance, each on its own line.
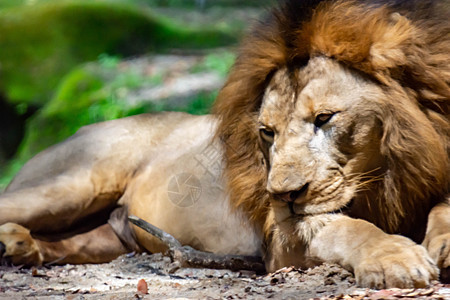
<point x="328" y="143"/>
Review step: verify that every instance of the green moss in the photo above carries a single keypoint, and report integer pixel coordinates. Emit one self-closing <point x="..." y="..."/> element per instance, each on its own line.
<point x="41" y="43"/>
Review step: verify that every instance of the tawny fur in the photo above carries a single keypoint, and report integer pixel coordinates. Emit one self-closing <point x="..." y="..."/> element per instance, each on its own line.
<point x="406" y="53"/>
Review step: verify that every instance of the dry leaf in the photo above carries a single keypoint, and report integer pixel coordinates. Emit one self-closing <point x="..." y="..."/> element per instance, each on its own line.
<point x="142" y="287"/>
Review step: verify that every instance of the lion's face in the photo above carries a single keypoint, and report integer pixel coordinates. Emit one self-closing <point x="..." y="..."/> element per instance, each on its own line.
<point x="321" y="137"/>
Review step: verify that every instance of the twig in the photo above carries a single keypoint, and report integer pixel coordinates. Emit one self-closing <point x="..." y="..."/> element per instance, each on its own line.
<point x="189" y="257"/>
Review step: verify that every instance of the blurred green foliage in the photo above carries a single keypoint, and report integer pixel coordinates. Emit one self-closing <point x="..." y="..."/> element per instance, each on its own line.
<point x="154" y="3"/>
<point x="64" y="57"/>
<point x="206" y="3"/>
<point x="41" y="43"/>
<point x="219" y="62"/>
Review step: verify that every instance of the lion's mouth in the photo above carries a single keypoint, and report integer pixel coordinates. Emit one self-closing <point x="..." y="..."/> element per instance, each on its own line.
<point x="345" y="209"/>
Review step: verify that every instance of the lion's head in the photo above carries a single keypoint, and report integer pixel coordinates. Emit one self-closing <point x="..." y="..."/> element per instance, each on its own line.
<point x="341" y="106"/>
<point x="320" y="132"/>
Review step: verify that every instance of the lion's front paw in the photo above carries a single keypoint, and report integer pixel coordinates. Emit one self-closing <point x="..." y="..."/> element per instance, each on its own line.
<point x="396" y="262"/>
<point x="439" y="250"/>
<point x="18" y="247"/>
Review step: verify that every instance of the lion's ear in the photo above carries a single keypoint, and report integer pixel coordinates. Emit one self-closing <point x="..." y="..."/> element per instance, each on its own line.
<point x="390" y="42"/>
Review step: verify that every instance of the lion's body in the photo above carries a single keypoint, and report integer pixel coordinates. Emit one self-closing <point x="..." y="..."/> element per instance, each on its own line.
<point x="334" y="130"/>
<point x="164" y="168"/>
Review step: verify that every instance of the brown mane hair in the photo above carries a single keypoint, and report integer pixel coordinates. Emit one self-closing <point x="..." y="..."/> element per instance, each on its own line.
<point x="405" y="49"/>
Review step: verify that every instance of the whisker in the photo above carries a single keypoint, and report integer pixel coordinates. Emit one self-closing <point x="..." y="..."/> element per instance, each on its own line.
<point x="365" y="185"/>
<point x="363" y="174"/>
<point x="362" y="181"/>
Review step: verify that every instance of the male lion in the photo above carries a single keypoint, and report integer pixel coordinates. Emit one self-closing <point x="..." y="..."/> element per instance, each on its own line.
<point x="334" y="130"/>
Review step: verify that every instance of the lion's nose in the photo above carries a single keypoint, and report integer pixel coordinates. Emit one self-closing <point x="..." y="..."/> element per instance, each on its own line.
<point x="292" y="195"/>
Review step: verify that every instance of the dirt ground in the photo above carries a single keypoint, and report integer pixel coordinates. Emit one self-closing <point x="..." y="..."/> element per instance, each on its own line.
<point x="154" y="276"/>
<point x="145" y="276"/>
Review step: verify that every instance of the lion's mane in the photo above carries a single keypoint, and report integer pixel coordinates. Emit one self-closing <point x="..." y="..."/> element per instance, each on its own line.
<point x="404" y="46"/>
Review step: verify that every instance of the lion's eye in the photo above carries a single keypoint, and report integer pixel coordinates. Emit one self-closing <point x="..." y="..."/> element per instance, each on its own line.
<point x="322" y="119"/>
<point x="267" y="134"/>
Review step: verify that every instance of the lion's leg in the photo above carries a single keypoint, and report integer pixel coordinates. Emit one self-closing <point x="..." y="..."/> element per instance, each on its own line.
<point x="53" y="206"/>
<point x="378" y="259"/>
<point x="96" y="246"/>
<point x="67" y="186"/>
<point x="437" y="238"/>
<point x="82" y="175"/>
